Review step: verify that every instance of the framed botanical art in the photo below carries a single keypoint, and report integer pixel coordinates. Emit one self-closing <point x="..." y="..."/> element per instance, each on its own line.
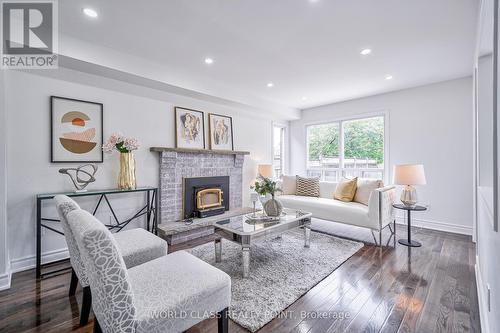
<point x="221" y="132"/>
<point x="76" y="131"/>
<point x="189" y="128"/>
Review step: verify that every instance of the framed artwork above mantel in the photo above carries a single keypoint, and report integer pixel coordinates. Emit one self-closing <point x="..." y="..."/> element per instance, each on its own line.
<point x="189" y="128"/>
<point x="220" y="132"/>
<point x="76" y="131"/>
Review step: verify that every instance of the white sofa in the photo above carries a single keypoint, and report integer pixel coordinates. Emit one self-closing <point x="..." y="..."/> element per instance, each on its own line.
<point x="377" y="215"/>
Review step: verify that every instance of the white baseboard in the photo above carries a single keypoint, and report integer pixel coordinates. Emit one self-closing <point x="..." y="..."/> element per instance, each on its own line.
<point x="29" y="262"/>
<point x="435" y="225"/>
<point x="481" y="299"/>
<point x="5" y="281"/>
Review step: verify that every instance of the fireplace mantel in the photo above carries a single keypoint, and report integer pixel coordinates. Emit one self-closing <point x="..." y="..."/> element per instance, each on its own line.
<point x="198" y="151"/>
<point x="177" y="164"/>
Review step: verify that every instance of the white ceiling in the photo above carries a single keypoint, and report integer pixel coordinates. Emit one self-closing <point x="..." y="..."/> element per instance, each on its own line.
<point x="306" y="48"/>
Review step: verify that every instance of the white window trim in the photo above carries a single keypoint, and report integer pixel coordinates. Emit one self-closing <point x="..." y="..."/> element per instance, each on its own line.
<point x="286" y="146"/>
<point x="339" y="119"/>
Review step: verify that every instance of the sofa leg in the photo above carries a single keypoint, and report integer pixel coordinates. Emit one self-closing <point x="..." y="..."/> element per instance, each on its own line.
<point x="394" y="241"/>
<point x="73" y="283"/>
<point x="374" y="238"/>
<point x="86" y="305"/>
<point x="223" y="321"/>
<point x="97" y="327"/>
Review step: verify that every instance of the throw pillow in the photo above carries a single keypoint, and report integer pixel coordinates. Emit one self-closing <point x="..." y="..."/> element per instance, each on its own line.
<point x="288" y="185"/>
<point x="308" y="187"/>
<point x="346" y="189"/>
<point x="365" y="188"/>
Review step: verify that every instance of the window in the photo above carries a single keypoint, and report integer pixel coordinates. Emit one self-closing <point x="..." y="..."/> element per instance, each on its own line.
<point x="278" y="150"/>
<point x="350" y="148"/>
<point x="323" y="142"/>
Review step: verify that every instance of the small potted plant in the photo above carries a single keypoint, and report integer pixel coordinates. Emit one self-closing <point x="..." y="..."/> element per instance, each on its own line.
<point x="264" y="186"/>
<point x="125" y="146"/>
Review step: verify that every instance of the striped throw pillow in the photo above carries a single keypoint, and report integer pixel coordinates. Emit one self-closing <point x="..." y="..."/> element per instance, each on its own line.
<point x="308" y="187"/>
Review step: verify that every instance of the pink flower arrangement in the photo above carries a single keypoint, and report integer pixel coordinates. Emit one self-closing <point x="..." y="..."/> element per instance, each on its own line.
<point x="120" y="143"/>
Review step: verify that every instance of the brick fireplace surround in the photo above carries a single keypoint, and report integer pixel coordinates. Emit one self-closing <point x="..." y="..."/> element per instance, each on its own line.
<point x="177" y="163"/>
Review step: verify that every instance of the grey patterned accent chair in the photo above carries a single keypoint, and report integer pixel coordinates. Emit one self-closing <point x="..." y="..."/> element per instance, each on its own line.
<point x="168" y="294"/>
<point x="136" y="246"/>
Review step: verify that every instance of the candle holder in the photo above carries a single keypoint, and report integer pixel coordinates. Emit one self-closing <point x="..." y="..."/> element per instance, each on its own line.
<point x="254" y="197"/>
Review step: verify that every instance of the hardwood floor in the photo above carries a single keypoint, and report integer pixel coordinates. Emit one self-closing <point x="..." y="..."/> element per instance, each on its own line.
<point x="427" y="289"/>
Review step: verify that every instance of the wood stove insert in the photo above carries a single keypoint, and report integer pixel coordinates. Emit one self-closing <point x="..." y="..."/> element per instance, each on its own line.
<point x="205" y="196"/>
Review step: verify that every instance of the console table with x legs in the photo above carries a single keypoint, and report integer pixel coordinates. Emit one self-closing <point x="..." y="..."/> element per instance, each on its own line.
<point x="150" y="210"/>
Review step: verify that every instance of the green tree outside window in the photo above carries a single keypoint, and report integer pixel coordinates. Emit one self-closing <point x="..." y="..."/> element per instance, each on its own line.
<point x="363" y="139"/>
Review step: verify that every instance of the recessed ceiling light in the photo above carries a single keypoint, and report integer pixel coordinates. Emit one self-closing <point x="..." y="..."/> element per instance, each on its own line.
<point x="209" y="61"/>
<point x="90" y="12"/>
<point x="304" y="98"/>
<point x="270" y="84"/>
<point x="388" y="77"/>
<point x="366" y="51"/>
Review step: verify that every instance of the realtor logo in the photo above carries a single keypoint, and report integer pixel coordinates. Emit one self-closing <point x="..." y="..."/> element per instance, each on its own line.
<point x="29" y="38"/>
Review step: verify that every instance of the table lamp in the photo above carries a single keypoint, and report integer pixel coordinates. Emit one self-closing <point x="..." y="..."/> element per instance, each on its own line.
<point x="408" y="175"/>
<point x="265" y="170"/>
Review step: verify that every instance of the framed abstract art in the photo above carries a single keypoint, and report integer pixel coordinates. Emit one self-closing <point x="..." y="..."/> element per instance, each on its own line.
<point x="189" y="128"/>
<point x="221" y="132"/>
<point x="76" y="131"/>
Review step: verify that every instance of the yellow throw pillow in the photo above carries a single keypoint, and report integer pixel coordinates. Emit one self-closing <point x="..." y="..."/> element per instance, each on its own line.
<point x="346" y="189"/>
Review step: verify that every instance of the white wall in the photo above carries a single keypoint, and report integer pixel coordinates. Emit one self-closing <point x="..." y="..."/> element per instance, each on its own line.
<point x="487" y="267"/>
<point x="487" y="239"/>
<point x="4" y="251"/>
<point x="141" y="112"/>
<point x="429" y="125"/>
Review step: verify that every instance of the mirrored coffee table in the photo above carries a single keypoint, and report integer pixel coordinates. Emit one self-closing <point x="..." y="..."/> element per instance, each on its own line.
<point x="244" y="231"/>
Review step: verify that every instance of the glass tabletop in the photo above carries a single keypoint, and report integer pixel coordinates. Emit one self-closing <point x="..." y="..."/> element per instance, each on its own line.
<point x="94" y="192"/>
<point x="243" y="225"/>
<point x="415" y="208"/>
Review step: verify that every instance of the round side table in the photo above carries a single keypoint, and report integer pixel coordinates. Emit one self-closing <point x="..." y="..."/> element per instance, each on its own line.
<point x="409" y="242"/>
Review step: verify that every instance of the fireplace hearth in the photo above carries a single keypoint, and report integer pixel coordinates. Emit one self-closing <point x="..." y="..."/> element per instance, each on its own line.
<point x="205" y="196"/>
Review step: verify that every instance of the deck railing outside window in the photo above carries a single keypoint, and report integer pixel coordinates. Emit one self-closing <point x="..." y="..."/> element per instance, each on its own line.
<point x="351" y="148"/>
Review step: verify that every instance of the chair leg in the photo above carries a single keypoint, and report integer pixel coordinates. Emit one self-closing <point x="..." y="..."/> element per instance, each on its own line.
<point x="86" y="305"/>
<point x="380" y="238"/>
<point x="223" y="321"/>
<point x="73" y="283"/>
<point x="97" y="327"/>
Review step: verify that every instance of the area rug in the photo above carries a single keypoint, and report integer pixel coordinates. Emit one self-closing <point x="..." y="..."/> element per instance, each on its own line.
<point x="281" y="270"/>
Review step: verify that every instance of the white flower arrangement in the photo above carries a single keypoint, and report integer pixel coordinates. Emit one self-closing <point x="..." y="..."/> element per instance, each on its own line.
<point x="120" y="143"/>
